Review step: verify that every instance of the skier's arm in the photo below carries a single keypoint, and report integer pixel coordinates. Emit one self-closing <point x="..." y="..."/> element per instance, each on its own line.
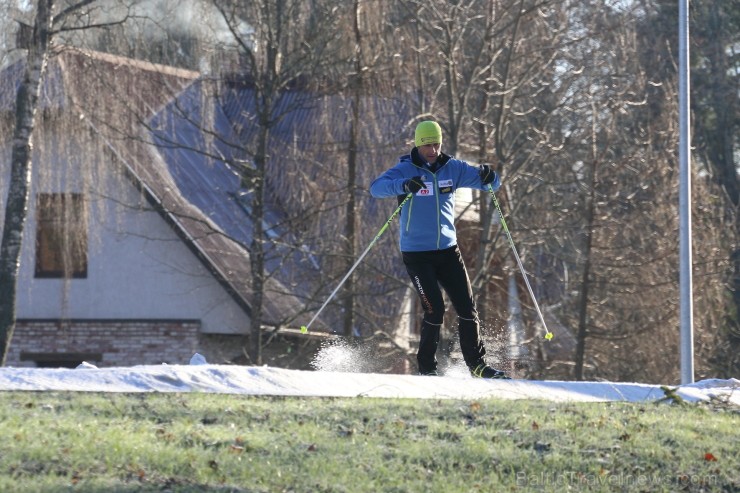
<point x="471" y="177"/>
<point x="389" y="184"/>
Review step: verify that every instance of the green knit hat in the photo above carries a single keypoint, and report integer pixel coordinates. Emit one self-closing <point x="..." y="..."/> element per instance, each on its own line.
<point x="428" y="132"/>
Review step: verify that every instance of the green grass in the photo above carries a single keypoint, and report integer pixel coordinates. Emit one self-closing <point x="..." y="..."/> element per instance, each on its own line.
<point x="90" y="442"/>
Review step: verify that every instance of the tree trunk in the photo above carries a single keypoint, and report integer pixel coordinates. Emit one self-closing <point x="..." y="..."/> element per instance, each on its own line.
<point x="484" y="200"/>
<point x="481" y="277"/>
<point x="257" y="246"/>
<point x="586" y="272"/>
<point x="351" y="212"/>
<point x="351" y="209"/>
<point x="16" y="206"/>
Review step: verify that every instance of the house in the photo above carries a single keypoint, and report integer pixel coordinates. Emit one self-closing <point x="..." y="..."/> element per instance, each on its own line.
<point x="141" y="160"/>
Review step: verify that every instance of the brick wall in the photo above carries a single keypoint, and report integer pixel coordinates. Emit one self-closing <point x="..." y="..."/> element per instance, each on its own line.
<point x="103" y="343"/>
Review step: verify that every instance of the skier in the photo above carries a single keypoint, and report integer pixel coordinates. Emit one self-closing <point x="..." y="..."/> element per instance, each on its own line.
<point x="429" y="242"/>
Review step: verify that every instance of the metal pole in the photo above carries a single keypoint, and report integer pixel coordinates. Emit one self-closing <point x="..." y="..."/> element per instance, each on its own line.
<point x="684" y="199"/>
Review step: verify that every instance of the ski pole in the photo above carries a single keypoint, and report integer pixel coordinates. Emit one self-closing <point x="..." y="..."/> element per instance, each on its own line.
<point x="548" y="334"/>
<point x="304" y="328"/>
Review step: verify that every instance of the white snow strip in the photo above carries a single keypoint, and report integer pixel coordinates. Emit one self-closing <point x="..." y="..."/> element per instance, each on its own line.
<point x="227" y="379"/>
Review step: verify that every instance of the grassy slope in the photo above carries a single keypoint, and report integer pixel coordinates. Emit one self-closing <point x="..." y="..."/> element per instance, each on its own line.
<point x="54" y="442"/>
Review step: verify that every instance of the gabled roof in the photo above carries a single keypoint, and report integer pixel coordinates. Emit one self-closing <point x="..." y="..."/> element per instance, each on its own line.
<point x="307" y="147"/>
<point x="199" y="150"/>
<point x="201" y="135"/>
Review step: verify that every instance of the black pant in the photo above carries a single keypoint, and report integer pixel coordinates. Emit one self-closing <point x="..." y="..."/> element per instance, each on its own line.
<point x="445" y="268"/>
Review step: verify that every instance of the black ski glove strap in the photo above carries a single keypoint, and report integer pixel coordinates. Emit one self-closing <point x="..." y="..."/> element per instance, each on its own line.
<point x="413" y="185"/>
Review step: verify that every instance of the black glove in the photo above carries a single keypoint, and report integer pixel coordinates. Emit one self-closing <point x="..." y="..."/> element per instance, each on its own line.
<point x="487" y="175"/>
<point x="413" y="185"/>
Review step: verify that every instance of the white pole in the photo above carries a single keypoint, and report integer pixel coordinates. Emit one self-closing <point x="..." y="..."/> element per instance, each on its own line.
<point x="684" y="199"/>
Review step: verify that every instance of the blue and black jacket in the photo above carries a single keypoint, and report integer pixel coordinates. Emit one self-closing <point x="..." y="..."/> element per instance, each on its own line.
<point x="428" y="219"/>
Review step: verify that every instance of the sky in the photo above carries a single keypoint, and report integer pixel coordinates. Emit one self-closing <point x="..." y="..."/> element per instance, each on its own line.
<point x="197" y="375"/>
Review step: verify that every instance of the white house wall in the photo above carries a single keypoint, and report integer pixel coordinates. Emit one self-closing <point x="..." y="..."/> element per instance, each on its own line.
<point x="138" y="268"/>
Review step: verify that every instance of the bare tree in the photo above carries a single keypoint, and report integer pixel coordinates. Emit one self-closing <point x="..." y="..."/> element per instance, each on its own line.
<point x="356" y="89"/>
<point x="280" y="49"/>
<point x="20" y="179"/>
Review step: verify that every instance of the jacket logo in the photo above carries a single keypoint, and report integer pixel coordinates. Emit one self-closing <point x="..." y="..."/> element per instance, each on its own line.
<point x="428" y="191"/>
<point x="445" y="186"/>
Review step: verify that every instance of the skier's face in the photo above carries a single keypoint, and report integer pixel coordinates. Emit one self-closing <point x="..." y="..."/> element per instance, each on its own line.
<point x="430" y="152"/>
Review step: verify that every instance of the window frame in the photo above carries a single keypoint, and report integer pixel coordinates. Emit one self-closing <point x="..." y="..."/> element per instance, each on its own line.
<point x="56" y="216"/>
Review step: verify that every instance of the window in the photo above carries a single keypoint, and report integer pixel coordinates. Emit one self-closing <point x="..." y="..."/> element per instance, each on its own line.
<point x="61" y="236"/>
